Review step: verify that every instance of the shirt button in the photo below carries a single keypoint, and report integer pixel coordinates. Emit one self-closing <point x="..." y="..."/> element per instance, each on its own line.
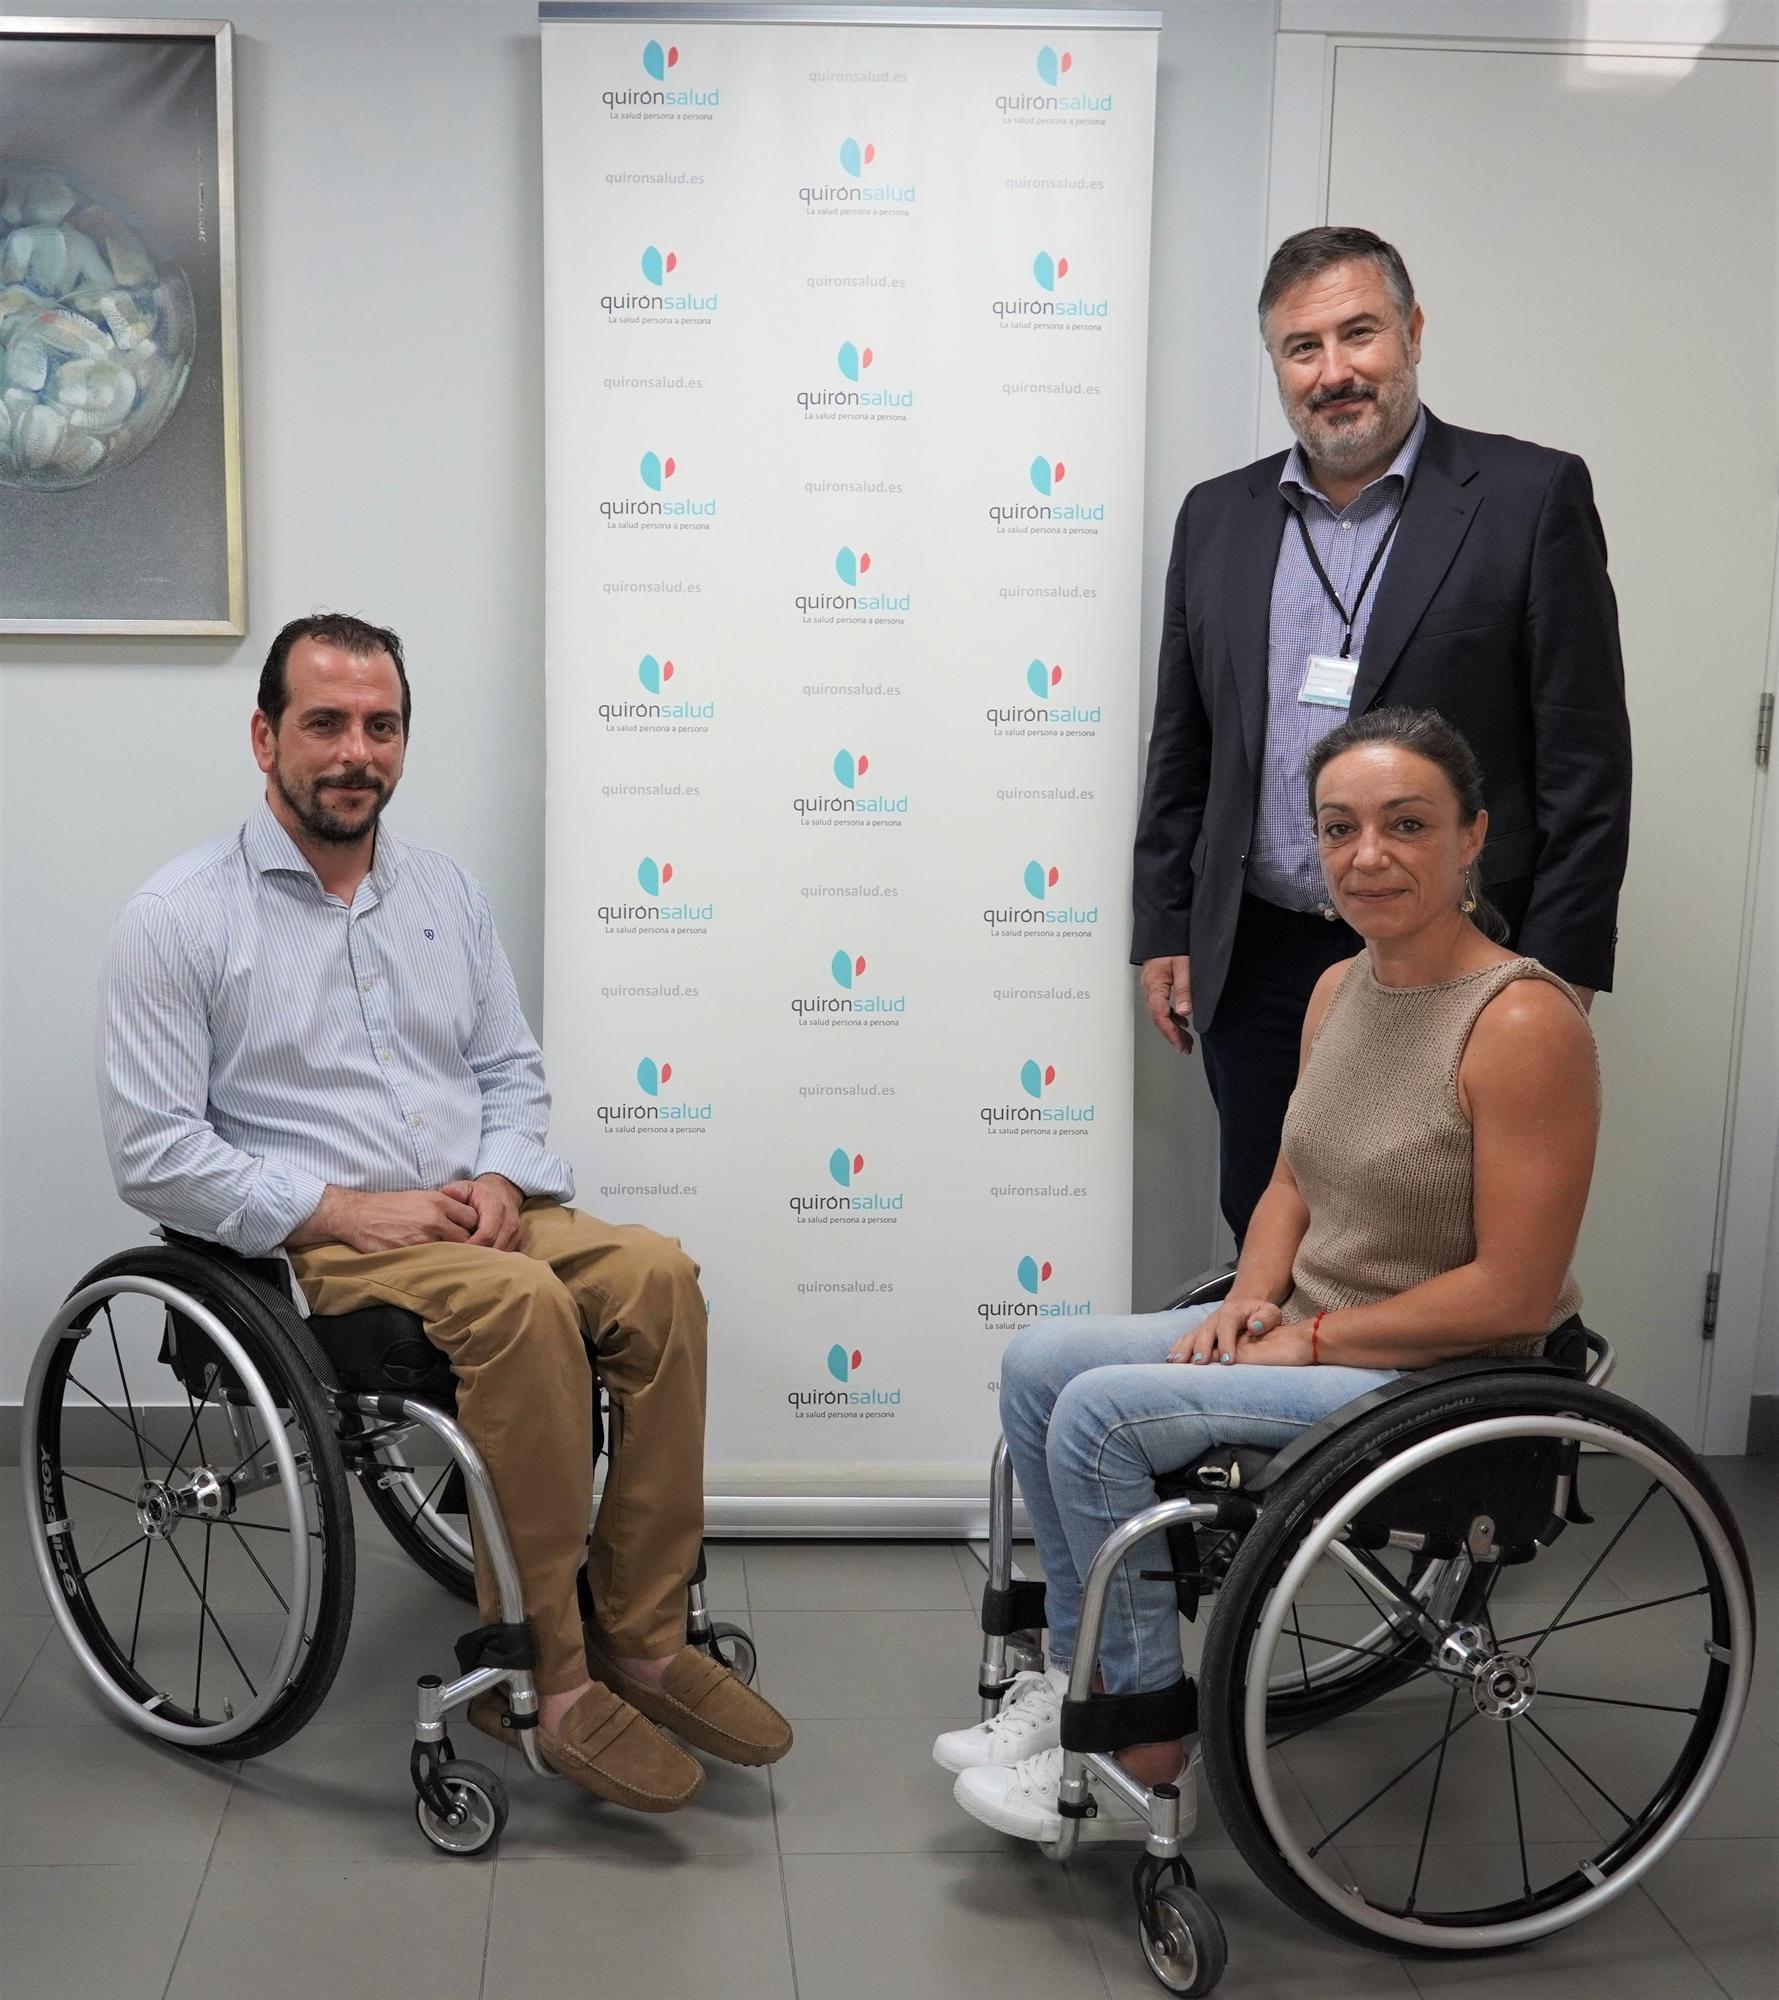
<point x="415" y="1120"/>
<point x="1347" y="527"/>
<point x="365" y="985"/>
<point x="382" y="1055"/>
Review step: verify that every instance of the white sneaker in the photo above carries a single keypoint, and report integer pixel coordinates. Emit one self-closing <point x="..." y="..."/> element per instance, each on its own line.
<point x="1029" y="1720"/>
<point x="1020" y="1799"/>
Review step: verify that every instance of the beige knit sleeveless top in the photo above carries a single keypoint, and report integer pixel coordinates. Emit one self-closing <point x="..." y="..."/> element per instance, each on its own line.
<point x="1380" y="1146"/>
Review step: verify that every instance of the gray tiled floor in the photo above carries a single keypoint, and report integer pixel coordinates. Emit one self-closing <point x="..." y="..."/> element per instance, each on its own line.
<point x="130" y="1872"/>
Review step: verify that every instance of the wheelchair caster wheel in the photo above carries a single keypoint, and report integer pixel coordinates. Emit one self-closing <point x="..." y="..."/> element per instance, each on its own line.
<point x="1182" y="1938"/>
<point x="732" y="1646"/>
<point x="478" y="1809"/>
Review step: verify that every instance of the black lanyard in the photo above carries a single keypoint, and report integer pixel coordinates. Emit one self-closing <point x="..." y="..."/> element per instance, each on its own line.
<point x="1349" y="618"/>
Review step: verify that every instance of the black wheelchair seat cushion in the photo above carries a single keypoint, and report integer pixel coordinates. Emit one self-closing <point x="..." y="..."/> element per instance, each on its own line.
<point x="383" y="1349"/>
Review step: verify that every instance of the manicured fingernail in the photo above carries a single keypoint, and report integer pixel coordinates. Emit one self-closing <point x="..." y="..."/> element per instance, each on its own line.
<point x="1257" y="1326"/>
<point x="1226" y="1357"/>
<point x="1198" y="1357"/>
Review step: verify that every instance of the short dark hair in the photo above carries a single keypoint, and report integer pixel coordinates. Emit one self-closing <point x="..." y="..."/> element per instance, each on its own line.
<point x="1427" y="733"/>
<point x="1312" y="251"/>
<point x="356" y="636"/>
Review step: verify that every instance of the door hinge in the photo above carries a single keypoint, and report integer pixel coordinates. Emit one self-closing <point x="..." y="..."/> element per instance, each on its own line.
<point x="1763" y="732"/>
<point x="1713" y="1283"/>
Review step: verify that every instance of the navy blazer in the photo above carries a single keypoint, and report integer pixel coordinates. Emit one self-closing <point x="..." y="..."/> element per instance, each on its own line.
<point x="1494" y="608"/>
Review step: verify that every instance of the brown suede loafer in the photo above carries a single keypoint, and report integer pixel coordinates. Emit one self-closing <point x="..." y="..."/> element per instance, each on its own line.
<point x="607" y="1749"/>
<point x="702" y="1702"/>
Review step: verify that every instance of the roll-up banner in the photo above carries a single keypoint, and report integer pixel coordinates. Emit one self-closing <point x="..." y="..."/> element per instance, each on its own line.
<point x="846" y="318"/>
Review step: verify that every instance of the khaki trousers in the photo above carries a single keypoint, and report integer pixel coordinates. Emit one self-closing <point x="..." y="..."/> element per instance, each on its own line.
<point x="516" y="1326"/>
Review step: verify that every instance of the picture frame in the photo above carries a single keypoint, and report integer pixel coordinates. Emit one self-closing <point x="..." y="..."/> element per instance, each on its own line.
<point x="120" y="433"/>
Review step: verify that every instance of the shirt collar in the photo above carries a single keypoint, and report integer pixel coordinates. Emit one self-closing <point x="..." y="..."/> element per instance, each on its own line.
<point x="1298" y="487"/>
<point x="272" y="851"/>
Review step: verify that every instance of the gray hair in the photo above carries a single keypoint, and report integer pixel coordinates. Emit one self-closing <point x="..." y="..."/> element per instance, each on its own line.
<point x="1313" y="251"/>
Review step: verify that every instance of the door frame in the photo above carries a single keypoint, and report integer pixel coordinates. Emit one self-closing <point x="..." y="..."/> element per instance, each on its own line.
<point x="1311" y="32"/>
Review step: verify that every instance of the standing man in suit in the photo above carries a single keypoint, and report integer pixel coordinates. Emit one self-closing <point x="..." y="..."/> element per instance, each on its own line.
<point x="1387" y="558"/>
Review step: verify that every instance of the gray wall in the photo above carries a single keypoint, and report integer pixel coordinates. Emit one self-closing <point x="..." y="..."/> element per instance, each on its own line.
<point x="389" y="220"/>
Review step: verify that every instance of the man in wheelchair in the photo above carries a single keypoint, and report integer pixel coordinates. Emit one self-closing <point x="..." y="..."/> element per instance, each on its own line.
<point x="1431" y="1184"/>
<point x="310" y="1041"/>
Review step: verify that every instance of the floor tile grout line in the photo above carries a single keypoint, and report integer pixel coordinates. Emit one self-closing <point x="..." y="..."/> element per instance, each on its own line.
<point x="1685" y="1942"/>
<point x="784" y="1898"/>
<point x="1093" y="1948"/>
<point x="209" y="1857"/>
<point x="29" y="1664"/>
<point x="488" y="1922"/>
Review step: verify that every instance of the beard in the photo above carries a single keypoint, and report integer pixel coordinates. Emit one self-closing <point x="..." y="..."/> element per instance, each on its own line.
<point x="316" y="818"/>
<point x="1370" y="435"/>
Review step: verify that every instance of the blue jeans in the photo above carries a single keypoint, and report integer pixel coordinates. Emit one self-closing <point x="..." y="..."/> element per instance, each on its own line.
<point x="1092" y="1413"/>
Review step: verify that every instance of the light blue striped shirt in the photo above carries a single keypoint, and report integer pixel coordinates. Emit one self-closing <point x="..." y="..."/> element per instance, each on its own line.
<point x="1283" y="867"/>
<point x="259" y="1039"/>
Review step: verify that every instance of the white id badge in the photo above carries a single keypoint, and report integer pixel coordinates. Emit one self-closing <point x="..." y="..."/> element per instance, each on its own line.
<point x="1328" y="681"/>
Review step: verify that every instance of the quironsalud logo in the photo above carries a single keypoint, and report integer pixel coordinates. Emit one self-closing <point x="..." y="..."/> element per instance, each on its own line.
<point x="656" y="715"/>
<point x="849" y="1400"/>
<point x="658" y="305"/>
<point x="1053" y="105"/>
<point x="657" y="472"/>
<point x="1045" y="268"/>
<point x="861" y="189"/>
<point x="1037" y="1111"/>
<point x="1046" y="710"/>
<point x="659" y="913"/>
<point x="1043" y="913"/>
<point x="1047" y="515"/>
<point x="1034" y="1300"/>
<point x="854" y="361"/>
<point x="853" y="605"/>
<point x="659" y="60"/>
<point x="843" y="1200"/>
<point x="851" y="805"/>
<point x="850" y="1003"/>
<point x="658" y="1112"/>
<point x="1051" y="306"/>
<point x="1052" y="67"/>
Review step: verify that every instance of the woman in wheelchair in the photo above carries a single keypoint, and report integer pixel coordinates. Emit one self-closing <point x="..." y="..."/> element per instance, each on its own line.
<point x="1431" y="1183"/>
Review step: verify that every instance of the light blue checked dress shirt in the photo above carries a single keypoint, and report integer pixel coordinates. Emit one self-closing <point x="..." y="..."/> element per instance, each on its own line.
<point x="259" y="1040"/>
<point x="1283" y="867"/>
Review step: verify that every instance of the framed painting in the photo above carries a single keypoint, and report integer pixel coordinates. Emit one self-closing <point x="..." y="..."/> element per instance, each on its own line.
<point x="120" y="436"/>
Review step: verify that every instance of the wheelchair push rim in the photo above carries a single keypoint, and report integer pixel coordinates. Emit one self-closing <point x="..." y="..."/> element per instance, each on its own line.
<point x="1497" y="1680"/>
<point x="170" y="1491"/>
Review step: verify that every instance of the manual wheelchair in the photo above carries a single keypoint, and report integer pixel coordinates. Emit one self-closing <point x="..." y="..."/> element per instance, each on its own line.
<point x="241" y="1421"/>
<point x="1417" y="1562"/>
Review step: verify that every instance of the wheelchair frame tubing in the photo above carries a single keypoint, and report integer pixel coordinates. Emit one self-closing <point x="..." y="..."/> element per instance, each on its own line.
<point x="435" y="1700"/>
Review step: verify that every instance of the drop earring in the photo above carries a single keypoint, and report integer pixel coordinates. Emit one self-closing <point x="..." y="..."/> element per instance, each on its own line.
<point x="1328" y="912"/>
<point x="1467" y="902"/>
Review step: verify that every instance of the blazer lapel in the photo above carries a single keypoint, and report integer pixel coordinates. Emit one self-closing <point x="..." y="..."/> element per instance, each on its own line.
<point x="1247" y="606"/>
<point x="1441" y="505"/>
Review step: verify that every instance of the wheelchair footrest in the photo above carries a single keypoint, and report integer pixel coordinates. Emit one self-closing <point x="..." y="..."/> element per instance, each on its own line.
<point x="497" y="1646"/>
<point x="1016" y="1609"/>
<point x="1106" y="1722"/>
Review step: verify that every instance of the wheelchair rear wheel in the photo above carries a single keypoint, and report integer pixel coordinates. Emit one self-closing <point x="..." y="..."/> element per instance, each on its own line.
<point x="1567" y="1716"/>
<point x="405" y="1497"/>
<point x="189" y="1513"/>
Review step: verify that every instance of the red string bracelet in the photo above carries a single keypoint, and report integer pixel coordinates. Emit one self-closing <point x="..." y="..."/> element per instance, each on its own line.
<point x="1315" y="1328"/>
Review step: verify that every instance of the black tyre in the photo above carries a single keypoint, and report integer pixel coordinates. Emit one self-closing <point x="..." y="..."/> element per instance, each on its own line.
<point x="1182" y="1940"/>
<point x="190" y="1516"/>
<point x="1571" y="1725"/>
<point x="478" y="1809"/>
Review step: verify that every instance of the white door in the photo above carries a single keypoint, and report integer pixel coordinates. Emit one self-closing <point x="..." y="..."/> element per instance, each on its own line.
<point x="1593" y="240"/>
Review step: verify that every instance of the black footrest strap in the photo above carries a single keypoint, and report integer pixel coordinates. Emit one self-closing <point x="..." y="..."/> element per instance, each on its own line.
<point x="1107" y="1722"/>
<point x="1018" y="1608"/>
<point x="497" y="1646"/>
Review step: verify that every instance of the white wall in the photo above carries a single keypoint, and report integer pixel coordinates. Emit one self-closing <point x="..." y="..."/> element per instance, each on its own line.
<point x="389" y="203"/>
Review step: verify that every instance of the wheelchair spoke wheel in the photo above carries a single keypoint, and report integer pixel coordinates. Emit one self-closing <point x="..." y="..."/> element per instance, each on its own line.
<point x="188" y="1509"/>
<point x="1546" y="1701"/>
<point x="406" y="1498"/>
